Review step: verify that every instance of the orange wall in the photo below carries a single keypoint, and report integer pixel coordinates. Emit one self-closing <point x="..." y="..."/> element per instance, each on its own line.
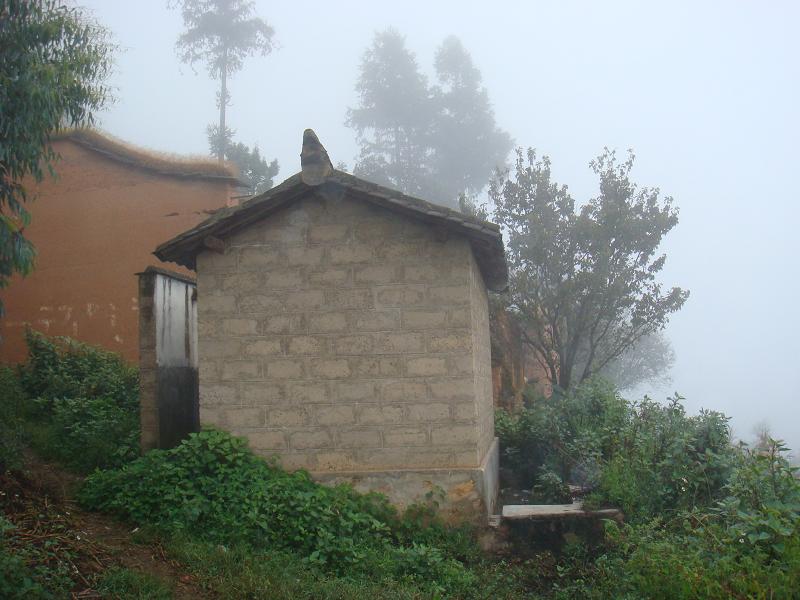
<point x="94" y="227"/>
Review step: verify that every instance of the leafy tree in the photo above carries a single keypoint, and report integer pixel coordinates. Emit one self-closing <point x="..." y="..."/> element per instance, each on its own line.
<point x="649" y="360"/>
<point x="438" y="142"/>
<point x="222" y="33"/>
<point x="584" y="280"/>
<point x="253" y="169"/>
<point x="53" y="64"/>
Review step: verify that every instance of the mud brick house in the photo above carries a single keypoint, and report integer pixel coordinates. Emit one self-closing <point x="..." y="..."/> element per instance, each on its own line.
<point x="344" y="327"/>
<point x="94" y="225"/>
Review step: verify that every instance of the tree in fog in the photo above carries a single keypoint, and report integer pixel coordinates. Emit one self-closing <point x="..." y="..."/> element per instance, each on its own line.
<point x="254" y="170"/>
<point x="221" y="34"/>
<point x="394" y="118"/>
<point x="583" y="280"/>
<point x="649" y="360"/>
<point x="762" y="436"/>
<point x="53" y="66"/>
<point x="437" y="142"/>
<point x="467" y="144"/>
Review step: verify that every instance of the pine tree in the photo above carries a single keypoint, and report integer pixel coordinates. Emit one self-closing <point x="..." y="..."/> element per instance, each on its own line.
<point x="221" y="33"/>
<point x="467" y="144"/>
<point x="394" y="118"/>
<point x="437" y="142"/>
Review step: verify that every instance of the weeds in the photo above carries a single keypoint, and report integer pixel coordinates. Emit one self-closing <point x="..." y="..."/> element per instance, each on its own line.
<point x="82" y="404"/>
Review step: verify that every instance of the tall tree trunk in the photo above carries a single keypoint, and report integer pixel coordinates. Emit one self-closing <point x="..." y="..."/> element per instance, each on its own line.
<point x="223" y="101"/>
<point x="396" y="159"/>
<point x="564" y="374"/>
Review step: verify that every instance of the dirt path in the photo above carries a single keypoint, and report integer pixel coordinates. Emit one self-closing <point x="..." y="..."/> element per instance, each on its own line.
<point x="40" y="504"/>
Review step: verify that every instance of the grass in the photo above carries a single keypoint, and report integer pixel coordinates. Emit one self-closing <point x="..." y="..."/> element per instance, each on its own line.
<point x="126" y="584"/>
<point x="242" y="573"/>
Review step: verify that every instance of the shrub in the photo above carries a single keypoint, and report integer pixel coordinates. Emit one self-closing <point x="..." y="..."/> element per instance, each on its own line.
<point x="762" y="506"/>
<point x="61" y="367"/>
<point x="565" y="434"/>
<point x="83" y="403"/>
<point x="213" y="488"/>
<point x="746" y="545"/>
<point x="644" y="457"/>
<point x="664" y="461"/>
<point x="550" y="489"/>
<point x="90" y="433"/>
<point x="11" y="429"/>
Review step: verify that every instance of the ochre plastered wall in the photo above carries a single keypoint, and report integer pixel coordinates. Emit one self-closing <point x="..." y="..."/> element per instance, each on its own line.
<point x="342" y="337"/>
<point x="94" y="227"/>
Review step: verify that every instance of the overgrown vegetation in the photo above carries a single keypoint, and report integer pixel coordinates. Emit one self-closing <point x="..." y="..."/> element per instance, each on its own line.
<point x="11" y="424"/>
<point x="82" y="405"/>
<point x="26" y="572"/>
<point x="214" y="489"/>
<point x="704" y="518"/>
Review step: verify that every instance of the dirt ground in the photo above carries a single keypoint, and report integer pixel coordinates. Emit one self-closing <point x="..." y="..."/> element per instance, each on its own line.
<point x="39" y="502"/>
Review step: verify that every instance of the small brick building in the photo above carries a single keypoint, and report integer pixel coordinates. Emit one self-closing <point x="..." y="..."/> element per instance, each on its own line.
<point x="344" y="327"/>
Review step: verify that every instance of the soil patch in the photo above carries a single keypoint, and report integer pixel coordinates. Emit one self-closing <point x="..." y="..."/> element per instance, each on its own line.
<point x="39" y="501"/>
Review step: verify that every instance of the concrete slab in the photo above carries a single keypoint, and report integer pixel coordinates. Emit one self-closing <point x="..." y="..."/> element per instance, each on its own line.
<point x="557" y="511"/>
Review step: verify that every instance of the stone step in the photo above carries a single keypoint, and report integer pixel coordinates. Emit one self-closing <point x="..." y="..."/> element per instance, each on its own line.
<point x="557" y="511"/>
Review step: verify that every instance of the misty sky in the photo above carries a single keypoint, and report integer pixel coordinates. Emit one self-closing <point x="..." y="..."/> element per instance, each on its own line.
<point x="707" y="94"/>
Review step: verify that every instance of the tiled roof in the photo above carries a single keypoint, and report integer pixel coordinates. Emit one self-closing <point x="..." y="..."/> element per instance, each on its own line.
<point x="484" y="237"/>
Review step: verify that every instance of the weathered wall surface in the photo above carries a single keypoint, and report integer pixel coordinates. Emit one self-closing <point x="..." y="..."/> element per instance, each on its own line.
<point x="481" y="359"/>
<point x="344" y="338"/>
<point x="94" y="227"/>
<point x="514" y="364"/>
<point x="167" y="358"/>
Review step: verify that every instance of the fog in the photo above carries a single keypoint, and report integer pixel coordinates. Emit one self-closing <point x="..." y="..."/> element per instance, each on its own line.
<point x="705" y="93"/>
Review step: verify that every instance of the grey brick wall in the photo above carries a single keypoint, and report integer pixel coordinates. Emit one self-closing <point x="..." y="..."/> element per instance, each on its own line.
<point x="343" y="337"/>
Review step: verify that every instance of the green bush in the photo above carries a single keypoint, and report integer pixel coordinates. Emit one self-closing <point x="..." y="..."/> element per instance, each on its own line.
<point x="705" y="519"/>
<point x="213" y="488"/>
<point x="683" y="558"/>
<point x="83" y="403"/>
<point x="550" y="489"/>
<point x="746" y="545"/>
<point x="61" y="367"/>
<point x="90" y="433"/>
<point x="566" y="434"/>
<point x="11" y="425"/>
<point x="644" y="457"/>
<point x="663" y="461"/>
<point x="761" y="510"/>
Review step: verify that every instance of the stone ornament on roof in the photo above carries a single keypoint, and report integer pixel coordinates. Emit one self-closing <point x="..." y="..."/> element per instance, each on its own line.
<point x="315" y="164"/>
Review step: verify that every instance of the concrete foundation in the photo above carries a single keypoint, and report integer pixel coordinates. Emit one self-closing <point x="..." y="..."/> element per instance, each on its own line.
<point x="460" y="494"/>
